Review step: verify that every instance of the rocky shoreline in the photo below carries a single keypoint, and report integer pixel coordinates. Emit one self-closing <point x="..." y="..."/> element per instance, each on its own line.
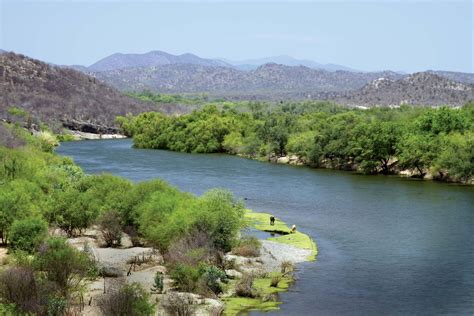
<point x="78" y="135"/>
<point x="294" y="160"/>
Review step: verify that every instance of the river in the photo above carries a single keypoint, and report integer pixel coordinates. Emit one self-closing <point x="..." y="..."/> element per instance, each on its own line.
<point x="387" y="245"/>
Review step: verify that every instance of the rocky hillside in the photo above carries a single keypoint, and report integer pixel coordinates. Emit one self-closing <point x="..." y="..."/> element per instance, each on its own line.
<point x="60" y="96"/>
<point x="151" y="59"/>
<point x="462" y="77"/>
<point x="421" y="88"/>
<point x="269" y="79"/>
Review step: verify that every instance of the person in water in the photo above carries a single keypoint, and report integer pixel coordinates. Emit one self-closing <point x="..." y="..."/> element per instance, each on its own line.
<point x="272" y="220"/>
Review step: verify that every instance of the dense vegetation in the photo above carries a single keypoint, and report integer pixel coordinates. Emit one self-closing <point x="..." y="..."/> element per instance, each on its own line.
<point x="40" y="190"/>
<point x="439" y="142"/>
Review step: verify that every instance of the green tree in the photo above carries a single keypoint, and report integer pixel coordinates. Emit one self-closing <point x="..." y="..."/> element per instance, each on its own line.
<point x="375" y="144"/>
<point x="417" y="151"/>
<point x="27" y="234"/>
<point x="457" y="157"/>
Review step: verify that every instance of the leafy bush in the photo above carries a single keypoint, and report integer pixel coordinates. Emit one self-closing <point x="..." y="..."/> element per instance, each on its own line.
<point x="27" y="234"/>
<point x="221" y="216"/>
<point x="47" y="141"/>
<point x="19" y="199"/>
<point x="111" y="228"/>
<point x="128" y="299"/>
<point x="63" y="265"/>
<point x="213" y="277"/>
<point x="185" y="277"/>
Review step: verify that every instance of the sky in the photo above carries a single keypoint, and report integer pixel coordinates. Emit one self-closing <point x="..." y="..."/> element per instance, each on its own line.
<point x="398" y="35"/>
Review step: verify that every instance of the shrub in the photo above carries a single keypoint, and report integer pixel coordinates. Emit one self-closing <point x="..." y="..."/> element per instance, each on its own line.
<point x="47" y="141"/>
<point x="213" y="277"/>
<point x="185" y="277"/>
<point x="244" y="288"/>
<point x="18" y="286"/>
<point x="287" y="267"/>
<point x="63" y="265"/>
<point x="27" y="234"/>
<point x="128" y="299"/>
<point x="158" y="282"/>
<point x="179" y="304"/>
<point x="72" y="211"/>
<point x="248" y="246"/>
<point x="111" y="228"/>
<point x="221" y="216"/>
<point x="275" y="280"/>
<point x="194" y="248"/>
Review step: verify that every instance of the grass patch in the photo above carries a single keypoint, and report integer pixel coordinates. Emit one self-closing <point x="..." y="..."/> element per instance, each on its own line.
<point x="241" y="305"/>
<point x="261" y="221"/>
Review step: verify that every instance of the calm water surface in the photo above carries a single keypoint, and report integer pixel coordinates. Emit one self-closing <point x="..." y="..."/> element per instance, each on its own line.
<point x="386" y="245"/>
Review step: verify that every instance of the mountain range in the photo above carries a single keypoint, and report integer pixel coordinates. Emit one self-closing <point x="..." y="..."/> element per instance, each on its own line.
<point x="252" y="64"/>
<point x="151" y="59"/>
<point x="287" y="78"/>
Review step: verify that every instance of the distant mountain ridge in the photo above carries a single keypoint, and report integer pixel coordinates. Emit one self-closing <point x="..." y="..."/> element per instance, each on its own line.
<point x="151" y="59"/>
<point x="274" y="82"/>
<point x="252" y="64"/>
<point x="266" y="79"/>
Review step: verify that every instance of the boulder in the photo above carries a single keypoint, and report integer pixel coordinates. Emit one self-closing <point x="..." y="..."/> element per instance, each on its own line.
<point x="110" y="271"/>
<point x="284" y="159"/>
<point x="233" y="274"/>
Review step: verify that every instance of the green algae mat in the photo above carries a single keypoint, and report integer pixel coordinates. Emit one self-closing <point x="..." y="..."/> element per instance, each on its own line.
<point x="261" y="221"/>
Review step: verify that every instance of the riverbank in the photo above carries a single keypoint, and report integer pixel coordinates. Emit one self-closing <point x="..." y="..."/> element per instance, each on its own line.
<point x="294" y="160"/>
<point x="284" y="249"/>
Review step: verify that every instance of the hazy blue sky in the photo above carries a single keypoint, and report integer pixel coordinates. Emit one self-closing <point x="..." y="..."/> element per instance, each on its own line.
<point x="397" y="35"/>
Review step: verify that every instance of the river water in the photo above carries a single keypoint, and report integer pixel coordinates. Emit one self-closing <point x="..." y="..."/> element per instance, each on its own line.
<point x="387" y="245"/>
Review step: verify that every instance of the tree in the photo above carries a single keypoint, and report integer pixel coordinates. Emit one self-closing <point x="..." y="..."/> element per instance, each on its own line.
<point x="417" y="151"/>
<point x="457" y="157"/>
<point x="27" y="234"/>
<point x="18" y="199"/>
<point x="72" y="211"/>
<point x="375" y="144"/>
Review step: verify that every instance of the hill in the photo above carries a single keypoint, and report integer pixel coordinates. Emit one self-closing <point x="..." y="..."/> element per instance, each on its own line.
<point x="267" y="81"/>
<point x="61" y="96"/>
<point x="252" y="64"/>
<point x="150" y="59"/>
<point x="423" y="88"/>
